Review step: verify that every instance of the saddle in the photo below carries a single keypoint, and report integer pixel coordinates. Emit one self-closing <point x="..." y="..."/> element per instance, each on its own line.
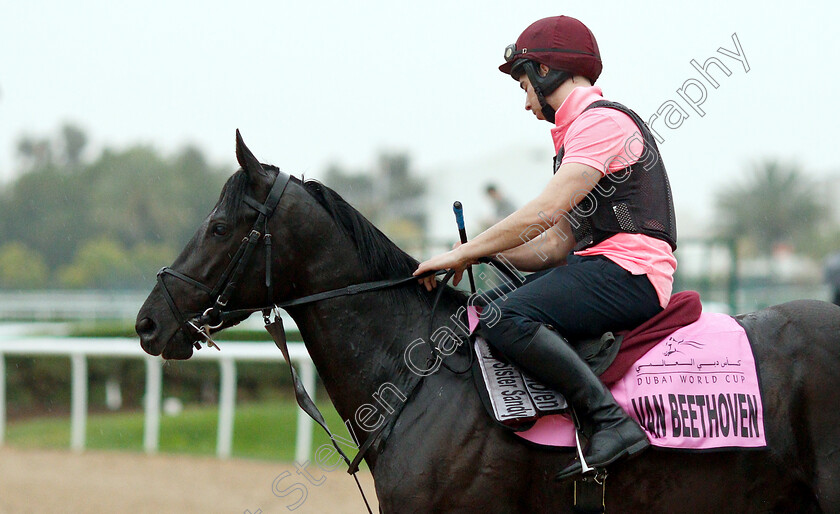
<point x="517" y="401"/>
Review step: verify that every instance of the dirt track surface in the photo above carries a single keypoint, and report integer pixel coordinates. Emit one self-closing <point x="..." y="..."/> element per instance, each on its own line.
<point x="40" y="481"/>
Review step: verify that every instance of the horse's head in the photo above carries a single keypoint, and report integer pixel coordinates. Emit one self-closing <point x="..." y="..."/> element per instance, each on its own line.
<point x="318" y="242"/>
<point x="224" y="266"/>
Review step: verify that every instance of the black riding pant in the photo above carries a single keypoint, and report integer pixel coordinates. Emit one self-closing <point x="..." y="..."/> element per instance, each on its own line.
<point x="585" y="298"/>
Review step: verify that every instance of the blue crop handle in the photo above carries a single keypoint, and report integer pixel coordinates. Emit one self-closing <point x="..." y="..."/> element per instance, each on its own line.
<point x="459" y="215"/>
<point x="459" y="219"/>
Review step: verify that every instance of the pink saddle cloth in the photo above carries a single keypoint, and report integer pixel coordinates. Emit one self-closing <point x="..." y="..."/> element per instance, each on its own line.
<point x="688" y="378"/>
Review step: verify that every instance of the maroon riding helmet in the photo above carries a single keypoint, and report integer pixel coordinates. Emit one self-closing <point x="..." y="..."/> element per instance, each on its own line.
<point x="564" y="44"/>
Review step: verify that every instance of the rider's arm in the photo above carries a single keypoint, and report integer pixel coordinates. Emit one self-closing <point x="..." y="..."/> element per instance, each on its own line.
<point x="546" y="250"/>
<point x="562" y="193"/>
<point x="567" y="187"/>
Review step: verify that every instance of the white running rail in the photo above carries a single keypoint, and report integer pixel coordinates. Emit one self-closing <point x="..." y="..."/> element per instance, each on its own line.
<point x="79" y="349"/>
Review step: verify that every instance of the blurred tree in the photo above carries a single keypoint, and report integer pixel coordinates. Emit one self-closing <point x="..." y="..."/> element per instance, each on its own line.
<point x="40" y="152"/>
<point x="74" y="141"/>
<point x="144" y="261"/>
<point x="774" y="205"/>
<point x="44" y="210"/>
<point x="35" y="152"/>
<point x="101" y="263"/>
<point x="142" y="197"/>
<point x="21" y="267"/>
<point x="136" y="198"/>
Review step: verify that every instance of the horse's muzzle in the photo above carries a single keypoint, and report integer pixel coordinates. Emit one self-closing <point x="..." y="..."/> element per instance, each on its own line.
<point x="153" y="344"/>
<point x="146" y="328"/>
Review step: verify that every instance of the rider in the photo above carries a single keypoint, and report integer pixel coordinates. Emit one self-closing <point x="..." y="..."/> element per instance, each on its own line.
<point x="600" y="236"/>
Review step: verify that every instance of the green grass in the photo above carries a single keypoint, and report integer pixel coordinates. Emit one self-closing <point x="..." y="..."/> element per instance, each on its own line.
<point x="264" y="430"/>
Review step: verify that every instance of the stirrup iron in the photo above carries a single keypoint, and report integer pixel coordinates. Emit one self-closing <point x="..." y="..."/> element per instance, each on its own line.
<point x="584" y="467"/>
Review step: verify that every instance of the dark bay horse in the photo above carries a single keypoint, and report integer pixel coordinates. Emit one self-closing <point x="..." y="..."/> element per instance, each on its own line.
<point x="444" y="454"/>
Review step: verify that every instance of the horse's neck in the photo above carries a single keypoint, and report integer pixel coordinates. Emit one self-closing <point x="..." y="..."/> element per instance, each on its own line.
<point x="357" y="342"/>
<point x="358" y="345"/>
<point x="354" y="343"/>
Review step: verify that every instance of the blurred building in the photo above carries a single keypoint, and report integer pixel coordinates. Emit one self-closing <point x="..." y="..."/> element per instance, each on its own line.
<point x="828" y="191"/>
<point x="389" y="195"/>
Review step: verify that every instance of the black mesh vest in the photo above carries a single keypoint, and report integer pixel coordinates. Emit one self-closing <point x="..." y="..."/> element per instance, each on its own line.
<point x="636" y="199"/>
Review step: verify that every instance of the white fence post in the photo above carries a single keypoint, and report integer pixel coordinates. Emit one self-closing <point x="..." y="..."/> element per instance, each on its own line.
<point x="227" y="403"/>
<point x="303" y="442"/>
<point x="151" y="404"/>
<point x="2" y="398"/>
<point x="79" y="399"/>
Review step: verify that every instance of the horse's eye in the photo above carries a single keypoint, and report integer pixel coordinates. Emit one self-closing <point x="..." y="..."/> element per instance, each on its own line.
<point x="220" y="229"/>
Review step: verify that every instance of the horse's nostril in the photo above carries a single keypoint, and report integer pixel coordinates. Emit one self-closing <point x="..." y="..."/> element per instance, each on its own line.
<point x="145" y="327"/>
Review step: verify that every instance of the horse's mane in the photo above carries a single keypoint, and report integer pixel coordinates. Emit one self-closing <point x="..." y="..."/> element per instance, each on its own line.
<point x="380" y="257"/>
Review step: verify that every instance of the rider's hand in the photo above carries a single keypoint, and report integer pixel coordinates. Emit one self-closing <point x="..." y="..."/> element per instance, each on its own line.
<point x="453" y="259"/>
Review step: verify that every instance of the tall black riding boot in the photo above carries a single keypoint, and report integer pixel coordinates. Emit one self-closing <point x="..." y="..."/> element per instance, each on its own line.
<point x="550" y="359"/>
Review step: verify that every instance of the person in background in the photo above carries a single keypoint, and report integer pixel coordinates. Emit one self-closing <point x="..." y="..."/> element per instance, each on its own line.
<point x="502" y="207"/>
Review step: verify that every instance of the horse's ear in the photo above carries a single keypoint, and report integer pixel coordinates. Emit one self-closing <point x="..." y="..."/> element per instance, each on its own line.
<point x="246" y="159"/>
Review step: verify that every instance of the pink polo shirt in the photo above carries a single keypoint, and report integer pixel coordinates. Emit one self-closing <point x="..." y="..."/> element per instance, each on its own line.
<point x="608" y="140"/>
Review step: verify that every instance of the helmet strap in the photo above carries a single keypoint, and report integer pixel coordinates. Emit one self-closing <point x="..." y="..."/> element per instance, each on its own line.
<point x="545" y="85"/>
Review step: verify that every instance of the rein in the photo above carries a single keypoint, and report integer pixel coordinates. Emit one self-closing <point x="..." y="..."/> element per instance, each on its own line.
<point x="278" y="334"/>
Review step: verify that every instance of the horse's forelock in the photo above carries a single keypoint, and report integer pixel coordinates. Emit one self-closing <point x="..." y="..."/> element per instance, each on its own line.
<point x="234" y="192"/>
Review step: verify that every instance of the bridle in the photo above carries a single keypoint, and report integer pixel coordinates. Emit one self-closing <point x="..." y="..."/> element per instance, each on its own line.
<point x="214" y="316"/>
